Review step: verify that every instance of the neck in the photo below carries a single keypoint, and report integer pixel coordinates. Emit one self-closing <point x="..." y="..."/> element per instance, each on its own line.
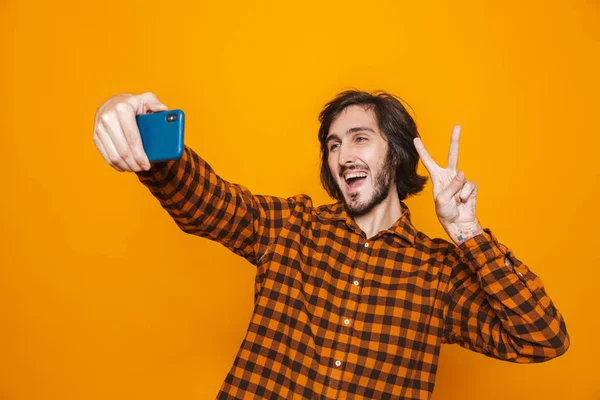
<point x="382" y="216"/>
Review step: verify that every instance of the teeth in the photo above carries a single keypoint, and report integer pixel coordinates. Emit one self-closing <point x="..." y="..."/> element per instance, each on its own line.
<point x="358" y="175"/>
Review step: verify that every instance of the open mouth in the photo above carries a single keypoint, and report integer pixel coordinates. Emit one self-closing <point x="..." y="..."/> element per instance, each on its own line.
<point x="355" y="180"/>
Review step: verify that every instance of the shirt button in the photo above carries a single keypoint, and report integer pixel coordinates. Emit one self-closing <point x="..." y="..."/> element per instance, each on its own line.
<point x="346" y="321"/>
<point x="355" y="283"/>
<point x="520" y="274"/>
<point x="367" y="244"/>
<point x="338" y="363"/>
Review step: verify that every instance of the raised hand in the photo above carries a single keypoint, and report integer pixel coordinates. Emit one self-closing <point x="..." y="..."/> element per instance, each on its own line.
<point x="455" y="197"/>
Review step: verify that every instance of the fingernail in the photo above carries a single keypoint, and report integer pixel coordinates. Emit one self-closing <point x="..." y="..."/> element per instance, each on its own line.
<point x="460" y="175"/>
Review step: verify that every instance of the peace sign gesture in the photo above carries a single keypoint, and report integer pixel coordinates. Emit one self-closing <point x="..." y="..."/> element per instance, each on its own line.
<point x="455" y="197"/>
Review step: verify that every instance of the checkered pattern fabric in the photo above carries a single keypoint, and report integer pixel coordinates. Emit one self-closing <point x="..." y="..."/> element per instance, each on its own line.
<point x="341" y="316"/>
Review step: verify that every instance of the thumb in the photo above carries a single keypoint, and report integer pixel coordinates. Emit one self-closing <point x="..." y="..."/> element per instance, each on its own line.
<point x="157" y="106"/>
<point x="150" y="102"/>
<point x="453" y="188"/>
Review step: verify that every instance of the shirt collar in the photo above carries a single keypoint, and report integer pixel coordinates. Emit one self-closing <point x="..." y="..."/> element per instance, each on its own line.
<point x="403" y="227"/>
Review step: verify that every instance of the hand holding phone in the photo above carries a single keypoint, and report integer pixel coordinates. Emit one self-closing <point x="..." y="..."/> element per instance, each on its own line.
<point x="117" y="136"/>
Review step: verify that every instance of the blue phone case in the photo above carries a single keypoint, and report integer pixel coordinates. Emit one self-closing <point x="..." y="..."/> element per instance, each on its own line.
<point x="162" y="134"/>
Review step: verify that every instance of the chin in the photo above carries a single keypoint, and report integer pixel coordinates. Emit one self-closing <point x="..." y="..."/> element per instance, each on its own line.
<point x="361" y="209"/>
<point x="360" y="203"/>
<point x="359" y="206"/>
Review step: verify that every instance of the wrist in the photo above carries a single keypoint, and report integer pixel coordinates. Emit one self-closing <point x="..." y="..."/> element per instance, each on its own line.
<point x="460" y="233"/>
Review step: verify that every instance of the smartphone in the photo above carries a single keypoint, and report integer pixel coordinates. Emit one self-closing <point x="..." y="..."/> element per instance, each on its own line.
<point x="162" y="134"/>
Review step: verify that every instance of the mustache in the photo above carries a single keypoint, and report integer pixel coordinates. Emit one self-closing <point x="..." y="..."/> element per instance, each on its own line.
<point x="352" y="167"/>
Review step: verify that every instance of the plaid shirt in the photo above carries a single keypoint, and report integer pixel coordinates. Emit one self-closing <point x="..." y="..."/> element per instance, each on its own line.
<point x="340" y="315"/>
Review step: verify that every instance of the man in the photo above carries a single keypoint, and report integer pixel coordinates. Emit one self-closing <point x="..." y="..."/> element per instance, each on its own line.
<point x="351" y="300"/>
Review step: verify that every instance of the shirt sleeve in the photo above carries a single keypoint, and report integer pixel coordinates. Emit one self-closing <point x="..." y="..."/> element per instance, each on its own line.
<point x="497" y="306"/>
<point x="201" y="203"/>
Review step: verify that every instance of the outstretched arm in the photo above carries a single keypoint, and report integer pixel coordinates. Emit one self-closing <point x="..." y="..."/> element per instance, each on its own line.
<point x="202" y="203"/>
<point x="199" y="201"/>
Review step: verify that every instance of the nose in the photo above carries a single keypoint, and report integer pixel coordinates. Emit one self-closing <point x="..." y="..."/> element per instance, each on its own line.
<point x="346" y="155"/>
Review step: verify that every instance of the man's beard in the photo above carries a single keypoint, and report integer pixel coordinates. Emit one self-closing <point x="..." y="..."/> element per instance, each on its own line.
<point x="382" y="183"/>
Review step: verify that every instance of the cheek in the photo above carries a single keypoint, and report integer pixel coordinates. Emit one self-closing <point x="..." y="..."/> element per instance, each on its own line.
<point x="376" y="157"/>
<point x="332" y="166"/>
<point x="369" y="158"/>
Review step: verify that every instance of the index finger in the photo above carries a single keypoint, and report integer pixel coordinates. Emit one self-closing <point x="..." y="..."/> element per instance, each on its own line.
<point x="453" y="152"/>
<point x="425" y="157"/>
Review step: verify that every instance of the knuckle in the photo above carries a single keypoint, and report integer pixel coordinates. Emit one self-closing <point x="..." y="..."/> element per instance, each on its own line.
<point x="114" y="159"/>
<point x="123" y="165"/>
<point x="107" y="117"/>
<point x="125" y="154"/>
<point x="123" y="107"/>
<point x="140" y="159"/>
<point x="134" y="140"/>
<point x="132" y="101"/>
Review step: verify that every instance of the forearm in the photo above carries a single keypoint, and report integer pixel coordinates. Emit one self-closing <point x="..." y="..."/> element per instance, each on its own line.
<point x="203" y="204"/>
<point x="503" y="309"/>
<point x="180" y="187"/>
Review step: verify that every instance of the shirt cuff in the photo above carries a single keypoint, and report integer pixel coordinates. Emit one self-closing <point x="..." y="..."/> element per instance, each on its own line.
<point x="158" y="170"/>
<point x="482" y="249"/>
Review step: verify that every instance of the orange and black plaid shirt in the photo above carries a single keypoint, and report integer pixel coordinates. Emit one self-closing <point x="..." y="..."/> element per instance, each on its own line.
<point x="341" y="316"/>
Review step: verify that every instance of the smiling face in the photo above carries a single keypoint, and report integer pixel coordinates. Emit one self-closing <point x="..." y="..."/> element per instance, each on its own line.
<point x="359" y="160"/>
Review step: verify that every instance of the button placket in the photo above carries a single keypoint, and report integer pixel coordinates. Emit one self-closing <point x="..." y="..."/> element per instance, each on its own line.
<point x="351" y="303"/>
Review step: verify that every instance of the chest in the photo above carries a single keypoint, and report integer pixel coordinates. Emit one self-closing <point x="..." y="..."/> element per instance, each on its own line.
<point x="336" y="273"/>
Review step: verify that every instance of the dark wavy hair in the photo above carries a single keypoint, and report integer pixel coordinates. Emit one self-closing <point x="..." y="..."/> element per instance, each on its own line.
<point x="398" y="128"/>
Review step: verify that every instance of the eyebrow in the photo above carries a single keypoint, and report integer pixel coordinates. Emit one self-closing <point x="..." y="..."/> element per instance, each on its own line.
<point x="348" y="132"/>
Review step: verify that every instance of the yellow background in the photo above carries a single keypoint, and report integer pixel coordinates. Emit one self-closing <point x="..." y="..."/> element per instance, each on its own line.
<point x="102" y="297"/>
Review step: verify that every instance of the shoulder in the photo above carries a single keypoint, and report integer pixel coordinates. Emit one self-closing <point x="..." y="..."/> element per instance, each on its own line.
<point x="332" y="211"/>
<point x="305" y="203"/>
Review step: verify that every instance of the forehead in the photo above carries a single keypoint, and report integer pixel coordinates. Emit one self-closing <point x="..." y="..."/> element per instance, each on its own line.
<point x="353" y="116"/>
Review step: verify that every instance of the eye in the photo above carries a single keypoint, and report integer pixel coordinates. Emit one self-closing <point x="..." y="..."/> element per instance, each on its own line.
<point x="333" y="146"/>
<point x="361" y="138"/>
